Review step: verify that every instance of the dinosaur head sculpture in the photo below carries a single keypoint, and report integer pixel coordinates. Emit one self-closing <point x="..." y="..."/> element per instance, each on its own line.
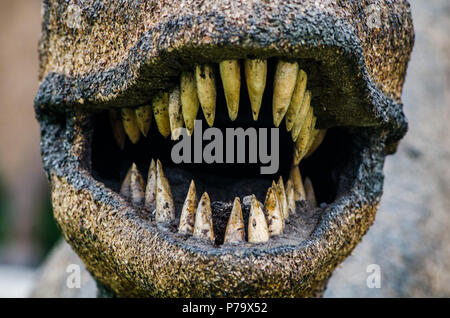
<point x="313" y="66"/>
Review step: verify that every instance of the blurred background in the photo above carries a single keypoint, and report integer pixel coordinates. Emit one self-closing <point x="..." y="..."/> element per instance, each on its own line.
<point x="410" y="238"/>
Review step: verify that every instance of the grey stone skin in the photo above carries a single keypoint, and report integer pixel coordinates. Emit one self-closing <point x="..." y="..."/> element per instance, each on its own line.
<point x="118" y="55"/>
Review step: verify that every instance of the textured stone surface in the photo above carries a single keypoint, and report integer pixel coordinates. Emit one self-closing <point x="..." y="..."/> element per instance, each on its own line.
<point x="121" y="246"/>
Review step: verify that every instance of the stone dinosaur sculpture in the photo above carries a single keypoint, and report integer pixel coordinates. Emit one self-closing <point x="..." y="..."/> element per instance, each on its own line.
<point x="324" y="67"/>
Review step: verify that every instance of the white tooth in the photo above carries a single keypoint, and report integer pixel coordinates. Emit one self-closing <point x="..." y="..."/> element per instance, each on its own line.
<point x="206" y="91"/>
<point x="235" y="227"/>
<point x="258" y="231"/>
<point x="115" y="121"/>
<point x="144" y="118"/>
<point x="296" y="178"/>
<point x="130" y="124"/>
<point x="189" y="100"/>
<point x="303" y="138"/>
<point x="150" y="191"/>
<point x="203" y="226"/>
<point x="310" y="195"/>
<point x="165" y="210"/>
<point x="274" y="215"/>
<point x="187" y="218"/>
<point x="318" y="138"/>
<point x="283" y="200"/>
<point x="297" y="99"/>
<point x="283" y="87"/>
<point x="230" y="72"/>
<point x="290" y="197"/>
<point x="160" y="106"/>
<point x="301" y="116"/>
<point x="256" y="75"/>
<point x="175" y="113"/>
<point x="136" y="186"/>
<point x="125" y="190"/>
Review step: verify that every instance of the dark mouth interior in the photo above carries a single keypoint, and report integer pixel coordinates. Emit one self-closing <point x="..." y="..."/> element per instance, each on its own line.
<point x="223" y="182"/>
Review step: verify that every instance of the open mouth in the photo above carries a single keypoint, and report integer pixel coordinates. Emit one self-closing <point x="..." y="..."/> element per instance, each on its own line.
<point x="219" y="204"/>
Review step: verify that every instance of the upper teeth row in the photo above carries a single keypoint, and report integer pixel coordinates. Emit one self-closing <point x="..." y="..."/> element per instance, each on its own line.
<point x="179" y="108"/>
<point x="196" y="217"/>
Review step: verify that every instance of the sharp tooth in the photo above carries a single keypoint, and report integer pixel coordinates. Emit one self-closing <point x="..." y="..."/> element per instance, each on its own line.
<point x="144" y="118"/>
<point x="136" y="186"/>
<point x="319" y="136"/>
<point x="130" y="124"/>
<point x="310" y="196"/>
<point x="117" y="128"/>
<point x="160" y="105"/>
<point x="297" y="99"/>
<point x="303" y="138"/>
<point x="301" y="116"/>
<point x="283" y="199"/>
<point x="283" y="87"/>
<point x="258" y="231"/>
<point x="206" y="91"/>
<point x="230" y="72"/>
<point x="175" y="113"/>
<point x="189" y="100"/>
<point x="299" y="190"/>
<point x="125" y="190"/>
<point x="150" y="191"/>
<point x="203" y="226"/>
<point x="290" y="197"/>
<point x="165" y="210"/>
<point x="274" y="215"/>
<point x="256" y="75"/>
<point x="187" y="218"/>
<point x="234" y="232"/>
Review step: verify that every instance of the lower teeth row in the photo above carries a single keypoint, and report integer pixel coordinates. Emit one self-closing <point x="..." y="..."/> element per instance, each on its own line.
<point x="196" y="217"/>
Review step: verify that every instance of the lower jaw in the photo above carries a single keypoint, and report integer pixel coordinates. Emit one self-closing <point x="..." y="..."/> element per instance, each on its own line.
<point x="127" y="252"/>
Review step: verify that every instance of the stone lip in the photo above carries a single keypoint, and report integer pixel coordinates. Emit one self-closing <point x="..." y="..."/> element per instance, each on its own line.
<point x="364" y="67"/>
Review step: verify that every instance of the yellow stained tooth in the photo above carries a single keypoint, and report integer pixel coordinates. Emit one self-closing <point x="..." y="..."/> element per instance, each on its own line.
<point x="144" y="118"/>
<point x="160" y="106"/>
<point x="296" y="100"/>
<point x="175" y="113"/>
<point x="189" y="100"/>
<point x="256" y="75"/>
<point x="130" y="124"/>
<point x="296" y="178"/>
<point x="150" y="190"/>
<point x="206" y="91"/>
<point x="234" y="232"/>
<point x="301" y="116"/>
<point x="274" y="215"/>
<point x="283" y="199"/>
<point x="290" y="197"/>
<point x="136" y="186"/>
<point x="283" y="88"/>
<point x="318" y="139"/>
<point x="258" y="231"/>
<point x="230" y="72"/>
<point x="303" y="138"/>
<point x="125" y="190"/>
<point x="187" y="218"/>
<point x="117" y="128"/>
<point x="203" y="226"/>
<point x="165" y="209"/>
<point x="309" y="189"/>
